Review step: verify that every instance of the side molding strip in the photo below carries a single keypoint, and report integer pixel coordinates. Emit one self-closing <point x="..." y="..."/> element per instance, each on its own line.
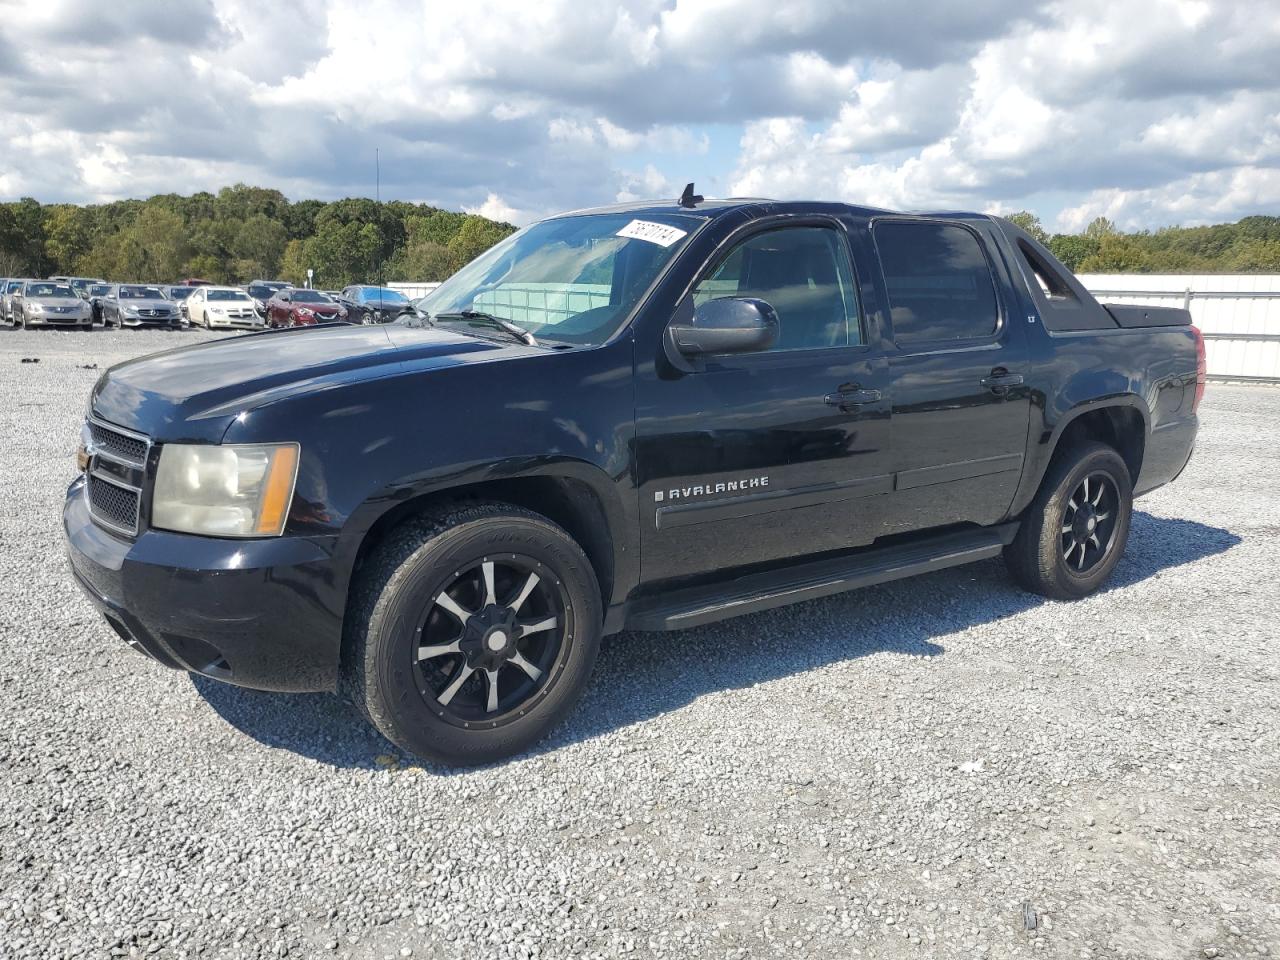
<point x="962" y="470"/>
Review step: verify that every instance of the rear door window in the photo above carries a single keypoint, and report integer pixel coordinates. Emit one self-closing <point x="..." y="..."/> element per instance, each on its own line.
<point x="938" y="281"/>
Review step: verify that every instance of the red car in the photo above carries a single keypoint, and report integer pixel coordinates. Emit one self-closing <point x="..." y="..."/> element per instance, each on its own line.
<point x="297" y="307"/>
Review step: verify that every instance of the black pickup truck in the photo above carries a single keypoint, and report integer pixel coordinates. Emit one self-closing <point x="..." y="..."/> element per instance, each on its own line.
<point x="641" y="417"/>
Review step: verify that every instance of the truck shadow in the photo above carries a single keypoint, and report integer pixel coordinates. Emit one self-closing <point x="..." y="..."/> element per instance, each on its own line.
<point x="642" y="675"/>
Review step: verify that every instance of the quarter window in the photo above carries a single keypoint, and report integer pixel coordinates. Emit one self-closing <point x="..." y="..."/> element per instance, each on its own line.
<point x="938" y="281"/>
<point x="804" y="274"/>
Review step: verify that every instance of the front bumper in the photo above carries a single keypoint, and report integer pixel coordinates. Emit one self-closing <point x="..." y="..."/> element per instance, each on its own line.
<point x="249" y="612"/>
<point x="235" y="323"/>
<point x="56" y="320"/>
<point x="173" y="321"/>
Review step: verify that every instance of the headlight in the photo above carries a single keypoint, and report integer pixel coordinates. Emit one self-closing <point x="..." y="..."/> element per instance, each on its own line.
<point x="129" y="311"/>
<point x="225" y="491"/>
<point x="305" y="312"/>
<point x="36" y="307"/>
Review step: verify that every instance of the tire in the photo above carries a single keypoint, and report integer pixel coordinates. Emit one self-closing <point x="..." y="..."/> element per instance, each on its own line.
<point x="1042" y="557"/>
<point x="539" y="575"/>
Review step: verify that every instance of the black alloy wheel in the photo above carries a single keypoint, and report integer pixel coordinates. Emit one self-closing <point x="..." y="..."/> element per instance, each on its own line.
<point x="471" y="631"/>
<point x="489" y="639"/>
<point x="1089" y="523"/>
<point x="1072" y="534"/>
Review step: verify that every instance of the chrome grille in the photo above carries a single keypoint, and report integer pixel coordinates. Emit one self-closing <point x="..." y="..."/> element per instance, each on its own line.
<point x="116" y="474"/>
<point x="112" y="505"/>
<point x="124" y="446"/>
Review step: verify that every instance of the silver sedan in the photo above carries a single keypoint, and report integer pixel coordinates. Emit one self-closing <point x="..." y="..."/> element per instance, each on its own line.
<point x="6" y="299"/>
<point x="50" y="303"/>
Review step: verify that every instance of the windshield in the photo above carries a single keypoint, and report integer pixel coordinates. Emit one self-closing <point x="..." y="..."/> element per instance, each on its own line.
<point x="572" y="279"/>
<point x="14" y="285"/>
<point x="141" y="293"/>
<point x="261" y="291"/>
<point x="229" y="295"/>
<point x="99" y="289"/>
<point x="49" y="290"/>
<point x="382" y="295"/>
<point x="181" y="293"/>
<point x="309" y="296"/>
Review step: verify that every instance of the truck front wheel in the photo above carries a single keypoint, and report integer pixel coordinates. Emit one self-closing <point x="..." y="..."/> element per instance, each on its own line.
<point x="472" y="632"/>
<point x="1073" y="533"/>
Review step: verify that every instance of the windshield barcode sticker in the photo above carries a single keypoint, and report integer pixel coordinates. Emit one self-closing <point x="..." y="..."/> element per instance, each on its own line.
<point x="658" y="233"/>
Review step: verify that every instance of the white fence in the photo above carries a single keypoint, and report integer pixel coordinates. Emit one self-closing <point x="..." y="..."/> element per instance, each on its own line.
<point x="1238" y="313"/>
<point x="413" y="290"/>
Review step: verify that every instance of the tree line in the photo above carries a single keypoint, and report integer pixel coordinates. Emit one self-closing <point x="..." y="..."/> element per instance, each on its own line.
<point x="242" y="232"/>
<point x="239" y="234"/>
<point x="1251" y="245"/>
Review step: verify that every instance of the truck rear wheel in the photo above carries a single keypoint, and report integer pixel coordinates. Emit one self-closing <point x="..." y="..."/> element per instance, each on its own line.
<point x="472" y="632"/>
<point x="1073" y="533"/>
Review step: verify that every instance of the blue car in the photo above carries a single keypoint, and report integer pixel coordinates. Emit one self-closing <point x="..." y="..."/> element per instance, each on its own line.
<point x="372" y="304"/>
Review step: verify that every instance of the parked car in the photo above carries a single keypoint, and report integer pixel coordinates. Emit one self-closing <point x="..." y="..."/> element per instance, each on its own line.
<point x="179" y="293"/>
<point x="372" y="304"/>
<point x="11" y="287"/>
<point x="40" y="303"/>
<point x="264" y="290"/>
<point x="139" y="305"/>
<point x="767" y="402"/>
<point x="299" y="307"/>
<point x="79" y="284"/>
<point x="95" y="293"/>
<point x="214" y="307"/>
<point x="197" y="282"/>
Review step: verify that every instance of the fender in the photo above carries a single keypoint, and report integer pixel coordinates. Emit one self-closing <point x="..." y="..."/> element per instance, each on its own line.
<point x="500" y="479"/>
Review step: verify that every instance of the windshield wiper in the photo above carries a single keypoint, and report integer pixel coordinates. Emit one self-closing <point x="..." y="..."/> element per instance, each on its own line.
<point x="520" y="333"/>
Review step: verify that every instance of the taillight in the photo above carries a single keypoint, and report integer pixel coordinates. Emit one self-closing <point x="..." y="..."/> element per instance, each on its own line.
<point x="1202" y="368"/>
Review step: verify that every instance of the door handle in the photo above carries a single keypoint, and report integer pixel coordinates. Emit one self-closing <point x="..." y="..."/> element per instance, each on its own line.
<point x="852" y="398"/>
<point x="1001" y="380"/>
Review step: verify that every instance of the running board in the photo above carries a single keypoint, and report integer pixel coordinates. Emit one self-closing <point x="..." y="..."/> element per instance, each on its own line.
<point x="694" y="606"/>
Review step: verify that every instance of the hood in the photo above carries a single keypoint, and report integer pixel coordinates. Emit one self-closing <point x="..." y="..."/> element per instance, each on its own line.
<point x="56" y="301"/>
<point x="194" y="392"/>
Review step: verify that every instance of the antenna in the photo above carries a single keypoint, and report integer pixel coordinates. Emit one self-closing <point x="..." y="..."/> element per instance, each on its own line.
<point x="377" y="193"/>
<point x="689" y="198"/>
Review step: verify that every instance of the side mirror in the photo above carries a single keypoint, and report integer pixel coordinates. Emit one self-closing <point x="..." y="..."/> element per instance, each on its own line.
<point x="725" y="325"/>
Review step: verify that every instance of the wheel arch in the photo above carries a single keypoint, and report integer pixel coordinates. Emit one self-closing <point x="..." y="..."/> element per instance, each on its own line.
<point x="575" y="495"/>
<point x="1123" y="422"/>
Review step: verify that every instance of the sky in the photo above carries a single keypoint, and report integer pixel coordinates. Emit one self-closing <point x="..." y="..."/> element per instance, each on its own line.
<point x="1149" y="112"/>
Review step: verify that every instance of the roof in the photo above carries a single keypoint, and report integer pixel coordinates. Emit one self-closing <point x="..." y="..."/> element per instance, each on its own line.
<point x="709" y="209"/>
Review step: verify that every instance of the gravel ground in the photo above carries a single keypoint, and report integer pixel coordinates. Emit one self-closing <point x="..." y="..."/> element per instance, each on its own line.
<point x="939" y="767"/>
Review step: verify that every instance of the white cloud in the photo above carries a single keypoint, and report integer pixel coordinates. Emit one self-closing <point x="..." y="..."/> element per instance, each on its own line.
<point x="1156" y="110"/>
<point x="495" y="208"/>
<point x="647" y="184"/>
<point x="1203" y="198"/>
